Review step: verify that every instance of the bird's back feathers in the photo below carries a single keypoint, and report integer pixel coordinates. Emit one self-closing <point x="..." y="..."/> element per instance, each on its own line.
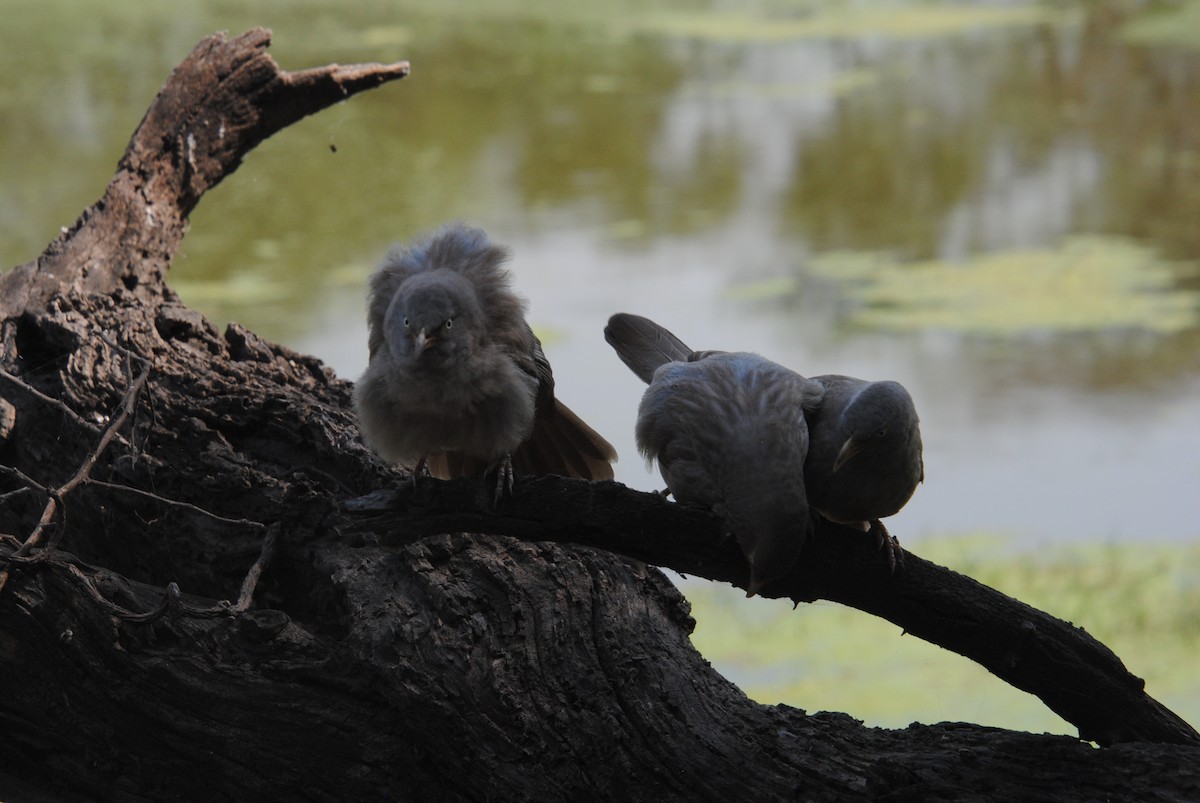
<point x="728" y="432"/>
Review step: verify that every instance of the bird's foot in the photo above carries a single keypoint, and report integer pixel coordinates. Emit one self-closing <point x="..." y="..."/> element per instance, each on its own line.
<point x="419" y="470"/>
<point x="886" y="541"/>
<point x="504" y="478"/>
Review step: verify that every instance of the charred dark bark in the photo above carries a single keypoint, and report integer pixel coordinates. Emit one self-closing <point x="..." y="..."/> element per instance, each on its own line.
<point x="363" y="653"/>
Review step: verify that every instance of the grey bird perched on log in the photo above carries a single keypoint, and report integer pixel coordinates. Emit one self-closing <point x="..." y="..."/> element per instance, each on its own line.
<point x="728" y="432"/>
<point x="863" y="458"/>
<point x="457" y="381"/>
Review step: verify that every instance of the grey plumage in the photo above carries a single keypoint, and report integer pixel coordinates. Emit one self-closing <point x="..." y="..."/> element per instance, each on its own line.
<point x="456" y="379"/>
<point x="853" y="446"/>
<point x="728" y="432"/>
<point x="643" y="345"/>
<point x="865" y="457"/>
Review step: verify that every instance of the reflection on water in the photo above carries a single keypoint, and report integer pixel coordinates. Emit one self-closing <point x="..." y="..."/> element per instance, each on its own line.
<point x="706" y="179"/>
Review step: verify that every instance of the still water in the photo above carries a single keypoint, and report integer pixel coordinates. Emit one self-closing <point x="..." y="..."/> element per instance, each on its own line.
<point x="995" y="204"/>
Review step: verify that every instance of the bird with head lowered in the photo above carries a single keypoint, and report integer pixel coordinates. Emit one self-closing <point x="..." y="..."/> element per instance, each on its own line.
<point x="865" y="457"/>
<point x="728" y="432"/>
<point x="760" y="444"/>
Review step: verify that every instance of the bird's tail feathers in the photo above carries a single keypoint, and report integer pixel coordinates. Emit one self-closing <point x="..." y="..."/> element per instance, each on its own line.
<point x="769" y="517"/>
<point x="563" y="444"/>
<point x="642" y="344"/>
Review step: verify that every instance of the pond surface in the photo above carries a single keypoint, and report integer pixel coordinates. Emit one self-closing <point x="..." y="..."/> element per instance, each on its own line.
<point x="996" y="204"/>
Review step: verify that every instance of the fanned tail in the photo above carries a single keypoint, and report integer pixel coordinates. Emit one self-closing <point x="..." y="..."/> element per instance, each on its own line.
<point x="561" y="443"/>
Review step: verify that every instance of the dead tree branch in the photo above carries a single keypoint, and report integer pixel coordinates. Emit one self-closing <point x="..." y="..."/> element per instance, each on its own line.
<point x="1075" y="675"/>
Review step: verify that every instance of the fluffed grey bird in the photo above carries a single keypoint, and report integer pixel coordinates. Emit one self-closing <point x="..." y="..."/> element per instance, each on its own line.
<point x="457" y="381"/>
<point x="864" y="457"/>
<point x="728" y="432"/>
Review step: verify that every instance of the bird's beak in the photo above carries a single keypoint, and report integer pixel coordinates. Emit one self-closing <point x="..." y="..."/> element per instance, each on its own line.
<point x="851" y="447"/>
<point x="424" y="340"/>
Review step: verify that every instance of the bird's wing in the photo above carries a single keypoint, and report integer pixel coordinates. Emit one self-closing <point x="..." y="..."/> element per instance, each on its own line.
<point x="471" y="253"/>
<point x="560" y="443"/>
<point x="534" y="363"/>
<point x="643" y="345"/>
<point x="382" y="288"/>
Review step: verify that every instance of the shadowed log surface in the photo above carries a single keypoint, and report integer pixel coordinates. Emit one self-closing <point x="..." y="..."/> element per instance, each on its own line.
<point x="336" y="639"/>
<point x="1075" y="675"/>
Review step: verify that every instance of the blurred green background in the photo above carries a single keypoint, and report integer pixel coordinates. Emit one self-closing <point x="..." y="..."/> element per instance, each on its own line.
<point x="996" y="203"/>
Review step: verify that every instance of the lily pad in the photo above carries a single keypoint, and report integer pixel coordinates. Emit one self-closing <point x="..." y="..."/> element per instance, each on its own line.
<point x="907" y="20"/>
<point x="764" y="289"/>
<point x="1090" y="283"/>
<point x="840" y="85"/>
<point x="1178" y="26"/>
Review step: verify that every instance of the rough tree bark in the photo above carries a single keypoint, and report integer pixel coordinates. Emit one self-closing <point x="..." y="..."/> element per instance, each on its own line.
<point x="368" y="649"/>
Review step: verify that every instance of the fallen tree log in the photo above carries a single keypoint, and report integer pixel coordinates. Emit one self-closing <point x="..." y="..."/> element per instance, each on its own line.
<point x="212" y="590"/>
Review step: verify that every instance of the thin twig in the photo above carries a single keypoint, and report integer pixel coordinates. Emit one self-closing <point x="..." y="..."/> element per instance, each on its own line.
<point x="113" y="486"/>
<point x="12" y="471"/>
<point x="174" y="605"/>
<point x="81" y="474"/>
<point x="53" y="402"/>
<point x="120" y="612"/>
<point x="53" y="505"/>
<point x="171" y="603"/>
<point x="56" y="535"/>
<point x="252" y="576"/>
